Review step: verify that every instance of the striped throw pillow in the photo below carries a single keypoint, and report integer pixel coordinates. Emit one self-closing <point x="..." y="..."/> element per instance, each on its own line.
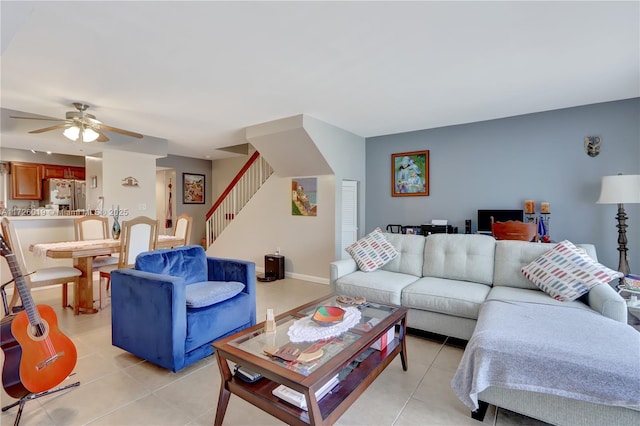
<point x="372" y="251"/>
<point x="565" y="272"/>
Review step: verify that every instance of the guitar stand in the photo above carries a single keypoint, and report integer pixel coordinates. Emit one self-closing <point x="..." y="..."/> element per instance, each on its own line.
<point x="32" y="396"/>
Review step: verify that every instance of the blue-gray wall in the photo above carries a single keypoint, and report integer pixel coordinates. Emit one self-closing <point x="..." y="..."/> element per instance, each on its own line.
<point x="498" y="164"/>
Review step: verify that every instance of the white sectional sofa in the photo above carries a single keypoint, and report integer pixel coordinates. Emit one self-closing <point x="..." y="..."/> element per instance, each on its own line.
<point x="445" y="280"/>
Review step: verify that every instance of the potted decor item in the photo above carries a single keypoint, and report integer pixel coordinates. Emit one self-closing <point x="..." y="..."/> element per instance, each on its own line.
<point x="116" y="224"/>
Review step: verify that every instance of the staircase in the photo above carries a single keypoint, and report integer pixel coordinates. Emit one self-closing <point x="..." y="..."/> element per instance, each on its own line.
<point x="246" y="183"/>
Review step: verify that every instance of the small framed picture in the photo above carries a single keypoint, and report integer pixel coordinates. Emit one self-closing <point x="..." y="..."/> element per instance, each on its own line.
<point x="410" y="174"/>
<point x="193" y="187"/>
<point x="410" y="231"/>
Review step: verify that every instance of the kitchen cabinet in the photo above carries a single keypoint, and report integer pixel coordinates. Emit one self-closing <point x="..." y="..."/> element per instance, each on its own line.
<point x="51" y="171"/>
<point x="77" y="173"/>
<point x="54" y="171"/>
<point x="26" y="181"/>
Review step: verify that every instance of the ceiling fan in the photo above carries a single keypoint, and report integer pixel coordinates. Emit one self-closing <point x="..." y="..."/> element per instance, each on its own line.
<point x="81" y="125"/>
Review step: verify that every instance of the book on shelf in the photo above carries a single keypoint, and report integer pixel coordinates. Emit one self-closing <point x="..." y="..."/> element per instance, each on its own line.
<point x="296" y="398"/>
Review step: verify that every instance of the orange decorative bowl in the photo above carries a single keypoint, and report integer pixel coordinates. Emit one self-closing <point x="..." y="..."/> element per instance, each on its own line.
<point x="328" y="315"/>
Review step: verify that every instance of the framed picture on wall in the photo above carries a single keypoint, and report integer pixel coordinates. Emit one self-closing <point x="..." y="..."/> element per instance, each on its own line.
<point x="410" y="174"/>
<point x="193" y="188"/>
<point x="304" y="193"/>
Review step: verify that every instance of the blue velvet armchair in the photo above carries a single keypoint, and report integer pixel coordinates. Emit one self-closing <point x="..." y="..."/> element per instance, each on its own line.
<point x="175" y="302"/>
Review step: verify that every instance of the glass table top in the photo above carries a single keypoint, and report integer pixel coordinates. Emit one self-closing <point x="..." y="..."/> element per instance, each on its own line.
<point x="256" y="342"/>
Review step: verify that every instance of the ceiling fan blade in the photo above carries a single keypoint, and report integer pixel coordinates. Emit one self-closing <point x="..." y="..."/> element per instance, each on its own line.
<point x="36" y="118"/>
<point x="122" y="131"/>
<point x="102" y="137"/>
<point x="46" y="129"/>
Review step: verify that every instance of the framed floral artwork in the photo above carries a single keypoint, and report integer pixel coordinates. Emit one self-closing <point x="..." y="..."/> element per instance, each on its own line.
<point x="193" y="187"/>
<point x="410" y="174"/>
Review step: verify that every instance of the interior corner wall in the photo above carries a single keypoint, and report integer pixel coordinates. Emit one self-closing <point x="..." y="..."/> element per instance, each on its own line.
<point x="498" y="164"/>
<point x="345" y="153"/>
<point x="266" y="223"/>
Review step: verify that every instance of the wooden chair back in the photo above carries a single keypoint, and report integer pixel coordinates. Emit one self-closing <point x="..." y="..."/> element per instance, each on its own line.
<point x="11" y="237"/>
<point x="91" y="228"/>
<point x="514" y="230"/>
<point x="183" y="228"/>
<point x="138" y="235"/>
<point x="42" y="277"/>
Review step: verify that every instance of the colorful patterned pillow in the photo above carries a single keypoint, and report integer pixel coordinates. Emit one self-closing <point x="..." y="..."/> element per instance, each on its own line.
<point x="567" y="272"/>
<point x="372" y="251"/>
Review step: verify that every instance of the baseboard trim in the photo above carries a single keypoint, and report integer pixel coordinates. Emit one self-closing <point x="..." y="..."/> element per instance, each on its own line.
<point x="310" y="278"/>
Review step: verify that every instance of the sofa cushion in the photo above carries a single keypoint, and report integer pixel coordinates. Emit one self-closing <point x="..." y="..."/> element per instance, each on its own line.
<point x="379" y="286"/>
<point x="511" y="256"/>
<point x="453" y="297"/>
<point x="209" y="293"/>
<point x="514" y="294"/>
<point x="189" y="262"/>
<point x="372" y="251"/>
<point x="566" y="272"/>
<point x="460" y="257"/>
<point x="411" y="249"/>
<point x="204" y="325"/>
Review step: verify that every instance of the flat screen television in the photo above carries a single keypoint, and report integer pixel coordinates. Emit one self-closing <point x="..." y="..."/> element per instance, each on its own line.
<point x="484" y="217"/>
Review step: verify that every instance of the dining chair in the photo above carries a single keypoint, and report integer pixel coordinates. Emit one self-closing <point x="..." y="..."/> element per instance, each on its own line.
<point x="41" y="277"/>
<point x="138" y="236"/>
<point x="515" y="230"/>
<point x="183" y="228"/>
<point x="94" y="227"/>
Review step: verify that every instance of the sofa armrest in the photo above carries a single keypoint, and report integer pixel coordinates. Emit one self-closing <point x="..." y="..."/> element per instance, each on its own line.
<point x="223" y="269"/>
<point x="149" y="315"/>
<point x="603" y="299"/>
<point x="340" y="268"/>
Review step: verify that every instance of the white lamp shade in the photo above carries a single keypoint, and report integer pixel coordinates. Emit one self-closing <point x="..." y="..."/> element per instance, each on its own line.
<point x="72" y="133"/>
<point x="89" y="135"/>
<point x="620" y="189"/>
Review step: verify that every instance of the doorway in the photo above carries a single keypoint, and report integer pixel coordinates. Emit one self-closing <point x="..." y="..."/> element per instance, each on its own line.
<point x="166" y="200"/>
<point x="349" y="215"/>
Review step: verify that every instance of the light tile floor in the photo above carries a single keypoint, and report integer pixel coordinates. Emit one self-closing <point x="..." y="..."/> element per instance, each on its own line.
<point x="118" y="388"/>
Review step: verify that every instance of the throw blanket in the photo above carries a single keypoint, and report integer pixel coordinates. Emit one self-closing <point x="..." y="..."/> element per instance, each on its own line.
<point x="558" y="350"/>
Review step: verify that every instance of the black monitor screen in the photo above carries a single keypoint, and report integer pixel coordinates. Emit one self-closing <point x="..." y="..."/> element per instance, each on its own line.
<point x="484" y="217"/>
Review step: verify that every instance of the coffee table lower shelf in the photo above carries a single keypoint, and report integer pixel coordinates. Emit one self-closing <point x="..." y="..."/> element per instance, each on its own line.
<point x="331" y="407"/>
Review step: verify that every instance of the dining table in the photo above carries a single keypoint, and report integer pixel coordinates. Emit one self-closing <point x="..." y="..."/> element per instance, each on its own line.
<point x="82" y="253"/>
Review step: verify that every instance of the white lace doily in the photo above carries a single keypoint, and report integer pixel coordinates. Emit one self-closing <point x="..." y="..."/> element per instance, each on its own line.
<point x="306" y="330"/>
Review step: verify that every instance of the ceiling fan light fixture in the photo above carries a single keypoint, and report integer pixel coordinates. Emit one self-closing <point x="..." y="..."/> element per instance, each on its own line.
<point x="89" y="135"/>
<point x="72" y="133"/>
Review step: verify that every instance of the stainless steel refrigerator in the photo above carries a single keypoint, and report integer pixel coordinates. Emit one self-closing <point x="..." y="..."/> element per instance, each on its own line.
<point x="68" y="194"/>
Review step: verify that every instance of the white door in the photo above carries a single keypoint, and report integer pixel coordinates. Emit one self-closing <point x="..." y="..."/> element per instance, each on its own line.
<point x="349" y="215"/>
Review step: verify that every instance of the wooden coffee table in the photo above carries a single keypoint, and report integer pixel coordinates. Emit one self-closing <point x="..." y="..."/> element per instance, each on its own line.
<point x="246" y="349"/>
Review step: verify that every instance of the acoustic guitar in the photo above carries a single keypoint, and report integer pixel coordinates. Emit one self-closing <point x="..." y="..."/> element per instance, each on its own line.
<point x="38" y="357"/>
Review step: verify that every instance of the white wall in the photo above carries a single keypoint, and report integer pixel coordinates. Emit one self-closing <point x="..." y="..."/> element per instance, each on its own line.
<point x="266" y="223"/>
<point x="136" y="200"/>
<point x="93" y="168"/>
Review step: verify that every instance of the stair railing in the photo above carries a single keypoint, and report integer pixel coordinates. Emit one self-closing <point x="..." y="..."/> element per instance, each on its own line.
<point x="237" y="194"/>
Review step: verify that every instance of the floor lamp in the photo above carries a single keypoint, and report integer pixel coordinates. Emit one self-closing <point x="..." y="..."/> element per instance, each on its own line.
<point x="621" y="189"/>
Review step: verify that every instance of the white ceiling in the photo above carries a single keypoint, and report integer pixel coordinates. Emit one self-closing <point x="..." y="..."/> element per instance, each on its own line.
<point x="198" y="73"/>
